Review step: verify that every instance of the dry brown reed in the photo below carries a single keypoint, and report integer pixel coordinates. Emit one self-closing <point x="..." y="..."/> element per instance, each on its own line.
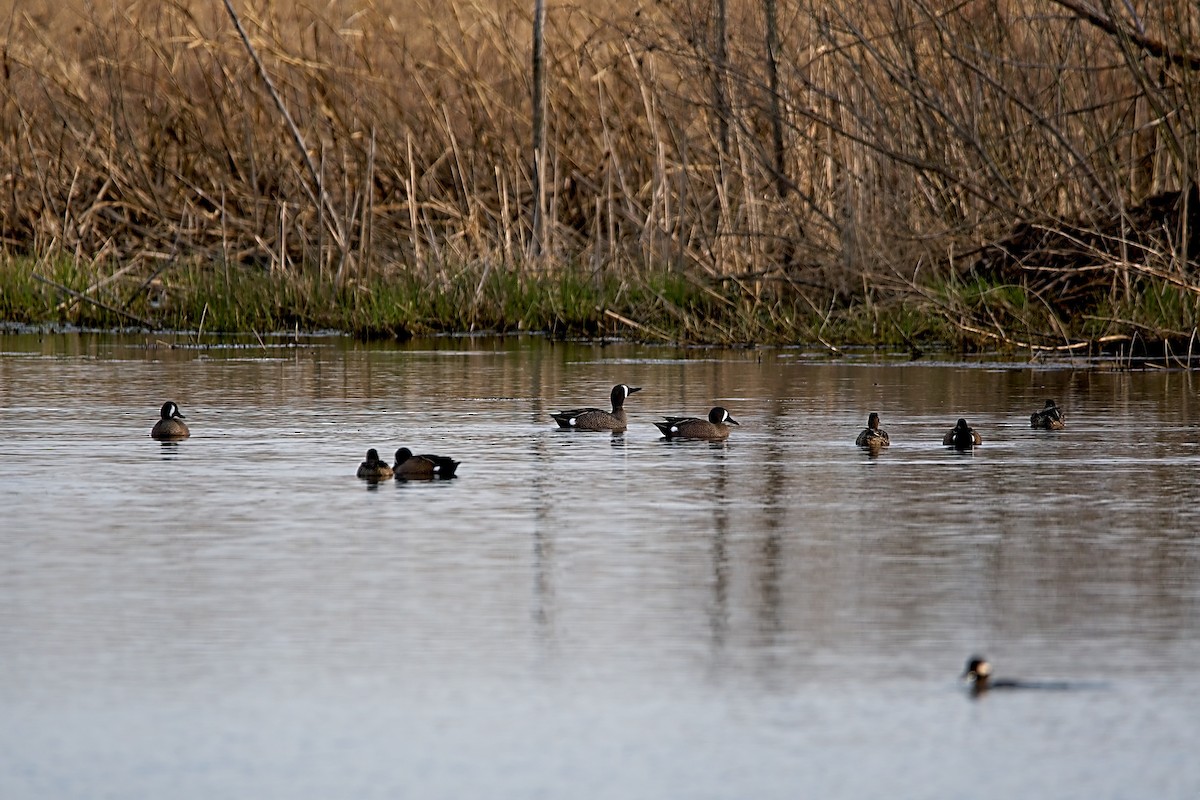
<point x="846" y="151"/>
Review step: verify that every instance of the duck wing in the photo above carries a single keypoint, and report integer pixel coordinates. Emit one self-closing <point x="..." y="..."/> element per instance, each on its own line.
<point x="564" y="418"/>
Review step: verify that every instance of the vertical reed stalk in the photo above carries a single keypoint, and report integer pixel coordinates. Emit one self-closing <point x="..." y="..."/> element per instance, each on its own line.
<point x="538" y="103"/>
<point x="775" y="101"/>
<point x="720" y="67"/>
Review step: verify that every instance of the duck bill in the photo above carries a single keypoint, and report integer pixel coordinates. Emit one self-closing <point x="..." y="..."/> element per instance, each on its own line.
<point x="732" y="421"/>
<point x="633" y="389"/>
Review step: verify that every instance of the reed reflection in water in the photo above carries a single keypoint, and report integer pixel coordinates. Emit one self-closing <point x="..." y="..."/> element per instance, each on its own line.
<point x="586" y="614"/>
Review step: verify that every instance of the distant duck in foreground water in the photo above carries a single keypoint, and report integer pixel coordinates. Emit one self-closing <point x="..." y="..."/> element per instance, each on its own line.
<point x="873" y="435"/>
<point x="978" y="676"/>
<point x="597" y="419"/>
<point x="715" y="428"/>
<point x="962" y="436"/>
<point x="423" y="467"/>
<point x="169" y="426"/>
<point x="373" y="469"/>
<point x="1049" y="418"/>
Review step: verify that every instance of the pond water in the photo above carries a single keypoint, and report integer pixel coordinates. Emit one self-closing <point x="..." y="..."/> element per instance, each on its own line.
<point x="586" y="615"/>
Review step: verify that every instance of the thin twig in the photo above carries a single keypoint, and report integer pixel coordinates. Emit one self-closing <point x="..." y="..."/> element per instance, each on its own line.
<point x="638" y="326"/>
<point x="97" y="303"/>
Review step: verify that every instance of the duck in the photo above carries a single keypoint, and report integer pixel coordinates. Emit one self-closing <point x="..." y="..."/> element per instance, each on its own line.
<point x="597" y="419"/>
<point x="978" y="676"/>
<point x="962" y="436"/>
<point x="169" y="427"/>
<point x="1049" y="418"/>
<point x="373" y="469"/>
<point x="715" y="428"/>
<point x="425" y="466"/>
<point x="873" y="435"/>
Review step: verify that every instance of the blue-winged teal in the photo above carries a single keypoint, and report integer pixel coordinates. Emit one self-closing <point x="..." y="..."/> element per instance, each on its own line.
<point x="978" y="676"/>
<point x="423" y="467"/>
<point x="1049" y="418"/>
<point x="716" y="427"/>
<point x="873" y="435"/>
<point x="597" y="419"/>
<point x="169" y="426"/>
<point x="962" y="436"/>
<point x="373" y="469"/>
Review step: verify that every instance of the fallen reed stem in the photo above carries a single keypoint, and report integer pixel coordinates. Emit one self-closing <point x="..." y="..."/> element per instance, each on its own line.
<point x="81" y="296"/>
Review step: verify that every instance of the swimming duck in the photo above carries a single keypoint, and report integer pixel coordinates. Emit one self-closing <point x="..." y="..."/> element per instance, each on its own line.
<point x="1049" y="418"/>
<point x="597" y="419"/>
<point x="962" y="436"/>
<point x="373" y="469"/>
<point x="873" y="435"/>
<point x="716" y="427"/>
<point x="169" y="426"/>
<point x="424" y="466"/>
<point x="978" y="675"/>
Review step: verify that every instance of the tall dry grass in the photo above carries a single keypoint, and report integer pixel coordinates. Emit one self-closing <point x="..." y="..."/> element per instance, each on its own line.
<point x="829" y="149"/>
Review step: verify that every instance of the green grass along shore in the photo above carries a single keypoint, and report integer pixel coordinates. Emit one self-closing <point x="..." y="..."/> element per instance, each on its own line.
<point x="656" y="306"/>
<point x="570" y="302"/>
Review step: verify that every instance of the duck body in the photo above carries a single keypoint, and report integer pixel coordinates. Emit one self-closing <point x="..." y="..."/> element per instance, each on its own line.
<point x="715" y="428"/>
<point x="170" y="426"/>
<point x="962" y="436"/>
<point x="422" y="467"/>
<point x="873" y="435"/>
<point x="1049" y="418"/>
<point x="373" y="469"/>
<point x="597" y="419"/>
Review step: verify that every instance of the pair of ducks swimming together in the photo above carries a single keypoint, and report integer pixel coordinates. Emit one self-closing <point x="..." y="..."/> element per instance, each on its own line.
<point x="407" y="467"/>
<point x="962" y="436"/>
<point x="714" y="428"/>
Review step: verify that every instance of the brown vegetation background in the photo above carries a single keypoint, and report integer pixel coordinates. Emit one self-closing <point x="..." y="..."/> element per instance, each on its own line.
<point x="853" y="144"/>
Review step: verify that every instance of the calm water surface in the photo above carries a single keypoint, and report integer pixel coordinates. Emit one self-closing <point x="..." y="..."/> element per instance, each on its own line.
<point x="583" y="615"/>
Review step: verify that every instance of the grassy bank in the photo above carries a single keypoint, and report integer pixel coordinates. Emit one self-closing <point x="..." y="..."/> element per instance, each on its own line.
<point x="979" y="173"/>
<point x="666" y="307"/>
<point x="1162" y="317"/>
